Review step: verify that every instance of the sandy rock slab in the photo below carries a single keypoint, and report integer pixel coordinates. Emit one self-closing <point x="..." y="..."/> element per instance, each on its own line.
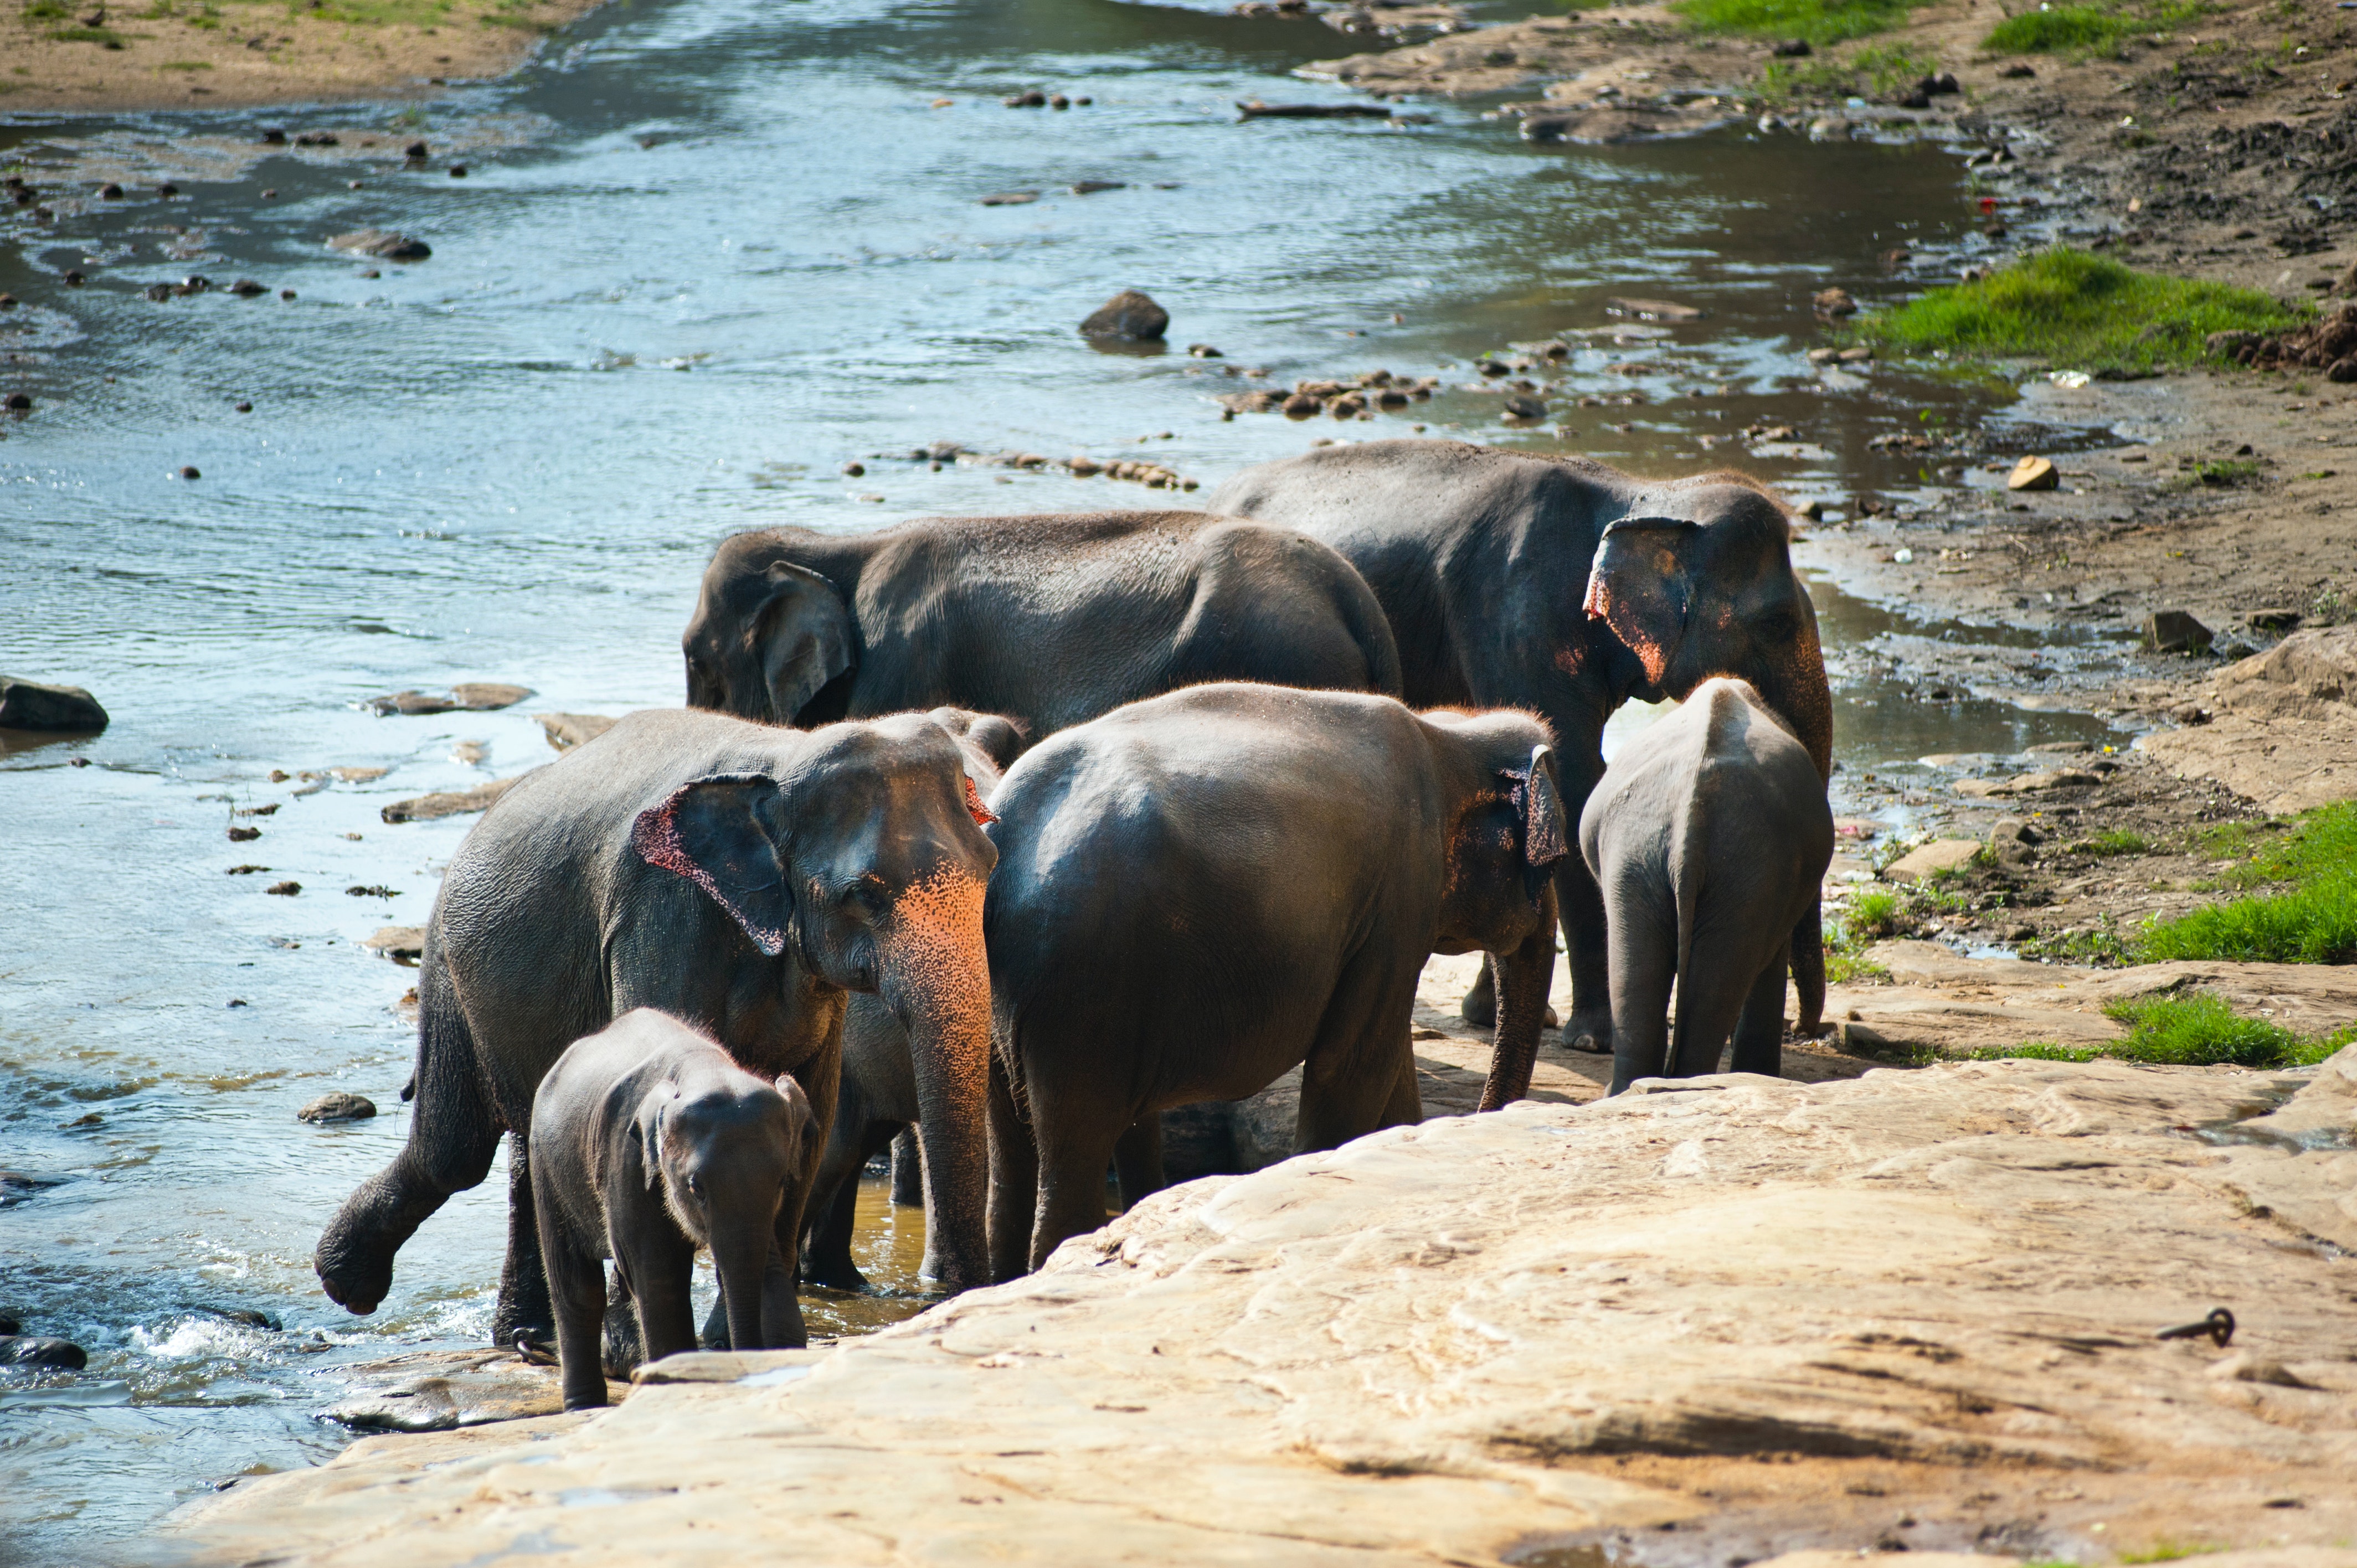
<point x="1743" y="1318"/>
<point x="442" y="1390"/>
<point x="1943" y="1002"/>
<point x="2283" y="730"/>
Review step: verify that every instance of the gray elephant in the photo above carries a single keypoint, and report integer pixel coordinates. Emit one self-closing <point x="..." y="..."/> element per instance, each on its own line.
<point x="1709" y="835"/>
<point x="648" y="1142"/>
<point x="1198" y="892"/>
<point x="1566" y="588"/>
<point x="739" y="876"/>
<point x="1048" y="620"/>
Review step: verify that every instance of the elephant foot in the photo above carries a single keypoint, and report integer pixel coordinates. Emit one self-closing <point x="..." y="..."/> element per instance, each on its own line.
<point x="1592" y="1035"/>
<point x="1479" y="1007"/>
<point x="621" y="1348"/>
<point x="354" y="1258"/>
<point x="843" y="1275"/>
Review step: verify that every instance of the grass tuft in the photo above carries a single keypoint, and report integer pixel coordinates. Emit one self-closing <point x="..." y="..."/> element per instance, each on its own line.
<point x="2115" y="841"/>
<point x="1884" y="71"/>
<point x="2094" y="27"/>
<point x="2314" y="921"/>
<point x="1819" y="21"/>
<point x="2196" y="1030"/>
<point x="2071" y="307"/>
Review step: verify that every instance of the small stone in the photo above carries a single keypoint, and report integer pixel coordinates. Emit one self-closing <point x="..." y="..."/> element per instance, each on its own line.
<point x="1059" y="101"/>
<point x="1521" y="407"/>
<point x="383" y="243"/>
<point x="269" y="196"/>
<point x="74" y="278"/>
<point x="158" y="292"/>
<point x="457" y="171"/>
<point x="189" y="471"/>
<point x="273" y="137"/>
<point x="1301" y="406"/>
<point x="33" y="1351"/>
<point x="1203" y="351"/>
<point x="283" y="889"/>
<point x="245" y="408"/>
<point x="2275" y="621"/>
<point x="246" y="288"/>
<point x="1032" y="100"/>
<point x="1833" y="304"/>
<point x="337" y="1105"/>
<point x="1128" y="315"/>
<point x="2017" y="73"/>
<point x="17" y="403"/>
<point x="1011" y="198"/>
<point x="1824" y="356"/>
<point x="1856" y="356"/>
<point x="286" y="293"/>
<point x="415" y="150"/>
<point x="2033" y="474"/>
<point x="855" y="469"/>
<point x="1829" y="128"/>
<point x="167" y="190"/>
<point x="1792" y="48"/>
<point x="243" y="835"/>
<point x="2175" y="631"/>
<point x="110" y="191"/>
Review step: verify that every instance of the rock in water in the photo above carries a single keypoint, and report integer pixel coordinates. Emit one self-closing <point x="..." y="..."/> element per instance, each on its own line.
<point x="1129" y="315"/>
<point x="337" y="1106"/>
<point x="383" y="243"/>
<point x="1833" y="304"/>
<point x="33" y="1350"/>
<point x="29" y="704"/>
<point x="449" y="803"/>
<point x="2174" y="631"/>
<point x="398" y="942"/>
<point x="2033" y="474"/>
<point x="566" y="731"/>
<point x="467" y="696"/>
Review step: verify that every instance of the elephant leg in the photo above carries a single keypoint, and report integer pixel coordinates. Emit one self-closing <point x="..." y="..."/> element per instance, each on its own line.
<point x="1137" y="1159"/>
<point x="1760" y="1029"/>
<point x="660" y="1263"/>
<point x="624" y="1349"/>
<point x="1013" y="1179"/>
<point x="1643" y="964"/>
<point x="826" y="1249"/>
<point x="1580" y="903"/>
<point x="1479" y="1007"/>
<point x="524" y="1308"/>
<point x="1723" y="974"/>
<point x="1074" y="1148"/>
<point x="578" y="1291"/>
<point x="452" y="1135"/>
<point x="1359" y="1071"/>
<point x="907" y="1170"/>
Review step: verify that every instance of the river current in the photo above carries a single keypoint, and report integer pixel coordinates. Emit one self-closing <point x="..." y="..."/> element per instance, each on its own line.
<point x="706" y="255"/>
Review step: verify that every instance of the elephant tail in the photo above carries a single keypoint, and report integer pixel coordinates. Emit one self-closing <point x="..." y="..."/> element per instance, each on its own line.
<point x="1809" y="967"/>
<point x="452" y="1133"/>
<point x="1688" y="875"/>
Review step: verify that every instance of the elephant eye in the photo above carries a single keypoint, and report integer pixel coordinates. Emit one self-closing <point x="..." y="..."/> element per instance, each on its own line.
<point x="695" y="1188"/>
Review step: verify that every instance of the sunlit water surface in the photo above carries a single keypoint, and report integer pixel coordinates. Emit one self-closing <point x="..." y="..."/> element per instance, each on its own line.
<point x="706" y="253"/>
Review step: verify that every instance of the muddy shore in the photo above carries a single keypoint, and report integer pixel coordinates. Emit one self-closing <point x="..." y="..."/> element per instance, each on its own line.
<point x="80" y="57"/>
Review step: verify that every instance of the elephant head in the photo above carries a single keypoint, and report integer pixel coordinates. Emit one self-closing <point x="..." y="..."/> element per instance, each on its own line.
<point x="725" y="1154"/>
<point x="1498" y="893"/>
<point x="768" y="635"/>
<point x="864" y="860"/>
<point x="1697" y="581"/>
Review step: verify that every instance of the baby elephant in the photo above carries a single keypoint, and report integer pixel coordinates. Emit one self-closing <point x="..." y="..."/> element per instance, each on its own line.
<point x="649" y="1140"/>
<point x="1709" y="837"/>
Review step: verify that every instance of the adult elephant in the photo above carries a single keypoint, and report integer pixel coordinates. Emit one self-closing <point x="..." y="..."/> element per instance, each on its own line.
<point x="740" y="877"/>
<point x="1049" y="620"/>
<point x="1566" y="588"/>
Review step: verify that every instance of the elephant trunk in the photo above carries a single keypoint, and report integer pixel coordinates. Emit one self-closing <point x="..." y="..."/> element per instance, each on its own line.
<point x="740" y="1252"/>
<point x="1525" y="975"/>
<point x="937" y="981"/>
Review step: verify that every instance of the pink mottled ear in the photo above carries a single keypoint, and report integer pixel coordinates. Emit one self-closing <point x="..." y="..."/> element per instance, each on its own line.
<point x="983" y="815"/>
<point x="1534" y="794"/>
<point x="1638" y="587"/>
<point x="711" y="832"/>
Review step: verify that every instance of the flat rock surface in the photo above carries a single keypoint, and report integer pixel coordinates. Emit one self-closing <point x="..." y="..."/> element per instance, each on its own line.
<point x="440" y="1391"/>
<point x="449" y="802"/>
<point x="1777" y="1316"/>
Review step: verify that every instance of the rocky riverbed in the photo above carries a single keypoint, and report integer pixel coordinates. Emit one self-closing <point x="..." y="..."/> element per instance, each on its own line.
<point x="1735" y="1316"/>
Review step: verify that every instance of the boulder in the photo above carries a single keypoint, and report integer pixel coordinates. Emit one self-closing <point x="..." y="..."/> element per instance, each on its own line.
<point x="467" y="696"/>
<point x="337" y="1105"/>
<point x="566" y="731"/>
<point x="398" y="942"/>
<point x="1927" y="860"/>
<point x="383" y="243"/>
<point x="1650" y="310"/>
<point x="2175" y="631"/>
<point x="2033" y="474"/>
<point x="2308" y="675"/>
<point x="35" y="1350"/>
<point x="30" y="704"/>
<point x="449" y="802"/>
<point x="1832" y="304"/>
<point x="2014" y="843"/>
<point x="1128" y="315"/>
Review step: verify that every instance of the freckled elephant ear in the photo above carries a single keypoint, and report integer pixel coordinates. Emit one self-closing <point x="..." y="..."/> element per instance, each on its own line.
<point x="710" y="831"/>
<point x="1638" y="586"/>
<point x="1534" y="793"/>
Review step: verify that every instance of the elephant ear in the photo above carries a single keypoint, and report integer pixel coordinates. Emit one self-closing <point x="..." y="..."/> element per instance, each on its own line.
<point x="710" y="831"/>
<point x="1638" y="586"/>
<point x="650" y="1120"/>
<point x="799" y="1110"/>
<point x="803" y="632"/>
<point x="1539" y="802"/>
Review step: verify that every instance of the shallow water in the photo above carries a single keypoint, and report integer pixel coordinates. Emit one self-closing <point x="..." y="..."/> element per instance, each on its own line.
<point x="704" y="254"/>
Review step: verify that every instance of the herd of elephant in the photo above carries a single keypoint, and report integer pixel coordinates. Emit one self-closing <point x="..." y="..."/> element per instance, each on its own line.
<point x="1023" y="829"/>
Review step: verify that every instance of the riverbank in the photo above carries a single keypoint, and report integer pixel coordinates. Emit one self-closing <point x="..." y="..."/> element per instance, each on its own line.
<point x="1735" y="1319"/>
<point x="82" y="56"/>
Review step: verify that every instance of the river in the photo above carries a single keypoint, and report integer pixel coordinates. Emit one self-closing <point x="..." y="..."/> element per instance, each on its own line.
<point x="707" y="253"/>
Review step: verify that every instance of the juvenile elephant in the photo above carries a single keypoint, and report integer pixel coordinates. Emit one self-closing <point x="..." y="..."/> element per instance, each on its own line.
<point x="739" y="877"/>
<point x="1709" y="836"/>
<point x="1566" y="588"/>
<point x="1048" y="620"/>
<point x="648" y="1142"/>
<point x="1198" y="892"/>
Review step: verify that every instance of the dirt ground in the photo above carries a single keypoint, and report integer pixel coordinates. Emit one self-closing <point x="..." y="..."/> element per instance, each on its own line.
<point x="86" y="56"/>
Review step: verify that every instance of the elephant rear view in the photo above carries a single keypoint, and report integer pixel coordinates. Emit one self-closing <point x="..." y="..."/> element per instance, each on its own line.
<point x="1709" y="836"/>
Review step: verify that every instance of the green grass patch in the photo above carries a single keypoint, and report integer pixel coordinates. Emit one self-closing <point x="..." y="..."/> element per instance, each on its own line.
<point x="2313" y="920"/>
<point x="185" y="65"/>
<point x="2088" y="29"/>
<point x="2222" y="471"/>
<point x="2197" y="1029"/>
<point x="46" y="11"/>
<point x="2073" y="308"/>
<point x="2169" y="1551"/>
<point x="105" y="37"/>
<point x="2115" y="841"/>
<point x="1869" y="915"/>
<point x="2032" y="1050"/>
<point x="1819" y="21"/>
<point x="1883" y="71"/>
